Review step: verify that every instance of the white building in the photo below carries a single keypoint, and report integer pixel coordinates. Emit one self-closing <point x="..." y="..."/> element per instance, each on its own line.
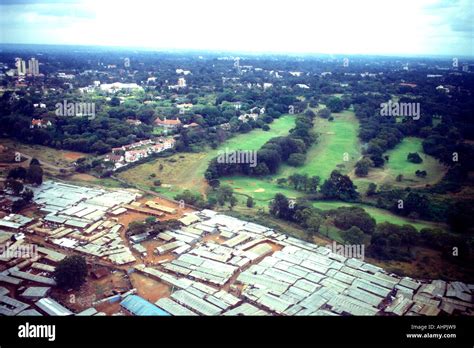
<point x="113" y="87"/>
<point x="21" y="66"/>
<point x="182" y="82"/>
<point x="33" y="67"/>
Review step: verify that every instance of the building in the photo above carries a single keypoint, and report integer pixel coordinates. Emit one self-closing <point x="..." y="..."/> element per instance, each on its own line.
<point x="33" y="67"/>
<point x="116" y="86"/>
<point x="21" y="66"/>
<point x="182" y="82"/>
<point x="245" y="117"/>
<point x="170" y="124"/>
<point x="442" y="88"/>
<point x="139" y="306"/>
<point x="38" y="123"/>
<point x="182" y="71"/>
<point x="51" y="307"/>
<point x="133" y="122"/>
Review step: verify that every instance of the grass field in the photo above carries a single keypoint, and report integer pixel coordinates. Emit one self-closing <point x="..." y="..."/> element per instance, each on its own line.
<point x="261" y="190"/>
<point x="380" y="215"/>
<point x="398" y="164"/>
<point x="336" y="138"/>
<point x="60" y="158"/>
<point x="186" y="171"/>
<point x="337" y="145"/>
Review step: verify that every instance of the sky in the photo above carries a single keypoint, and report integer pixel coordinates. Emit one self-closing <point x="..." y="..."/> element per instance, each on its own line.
<point x="383" y="27"/>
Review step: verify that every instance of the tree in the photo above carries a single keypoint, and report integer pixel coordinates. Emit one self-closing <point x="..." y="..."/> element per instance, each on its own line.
<point x="157" y="182"/>
<point x="339" y="186"/>
<point x="353" y="235"/>
<point x="371" y="189"/>
<point x="34" y="162"/>
<point x="250" y="202"/>
<point x="460" y="216"/>
<point x="313" y="222"/>
<point x="313" y="184"/>
<point x="18" y="205"/>
<point x="232" y="202"/>
<point x="214" y="183"/>
<point x="280" y="207"/>
<point x="296" y="159"/>
<point x="225" y="194"/>
<point x="17" y="173"/>
<point x="414" y="157"/>
<point x="71" y="272"/>
<point x="34" y="174"/>
<point x="324" y="113"/>
<point x="347" y="217"/>
<point x="421" y="173"/>
<point x="335" y="104"/>
<point x="15" y="186"/>
<point x="362" y="167"/>
<point x="27" y="195"/>
<point x="115" y="101"/>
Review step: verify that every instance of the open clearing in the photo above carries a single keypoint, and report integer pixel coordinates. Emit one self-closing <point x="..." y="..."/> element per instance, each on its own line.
<point x="398" y="164"/>
<point x="59" y="158"/>
<point x="337" y="145"/>
<point x="380" y="215"/>
<point x="261" y="190"/>
<point x="336" y="139"/>
<point x="186" y="171"/>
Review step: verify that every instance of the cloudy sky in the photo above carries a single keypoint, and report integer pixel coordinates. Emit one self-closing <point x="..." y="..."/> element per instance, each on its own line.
<point x="387" y="27"/>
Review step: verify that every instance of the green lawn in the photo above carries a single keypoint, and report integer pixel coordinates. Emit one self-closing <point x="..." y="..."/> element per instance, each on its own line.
<point x="186" y="171"/>
<point x="337" y="145"/>
<point x="261" y="190"/>
<point x="335" y="139"/>
<point x="398" y="164"/>
<point x="380" y="215"/>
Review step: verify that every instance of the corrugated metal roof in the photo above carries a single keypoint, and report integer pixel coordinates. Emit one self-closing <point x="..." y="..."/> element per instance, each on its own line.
<point x="139" y="306"/>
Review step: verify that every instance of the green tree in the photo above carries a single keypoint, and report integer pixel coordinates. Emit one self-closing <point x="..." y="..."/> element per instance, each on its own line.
<point x="15" y="186"/>
<point x="339" y="186"/>
<point x="362" y="167"/>
<point x="324" y="113"/>
<point x="414" y="157"/>
<point x="250" y="202"/>
<point x="296" y="159"/>
<point x="353" y="235"/>
<point x="71" y="272"/>
<point x="232" y="202"/>
<point x="371" y="189"/>
<point x="335" y="104"/>
<point x="34" y="174"/>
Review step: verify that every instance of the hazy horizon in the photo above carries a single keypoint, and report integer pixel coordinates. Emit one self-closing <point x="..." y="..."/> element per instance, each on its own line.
<point x="376" y="28"/>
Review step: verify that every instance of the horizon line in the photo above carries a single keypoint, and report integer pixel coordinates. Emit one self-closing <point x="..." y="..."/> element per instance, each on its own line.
<point x="244" y="52"/>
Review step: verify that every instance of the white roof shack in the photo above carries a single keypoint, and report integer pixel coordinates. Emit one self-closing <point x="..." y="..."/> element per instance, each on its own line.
<point x="52" y="307"/>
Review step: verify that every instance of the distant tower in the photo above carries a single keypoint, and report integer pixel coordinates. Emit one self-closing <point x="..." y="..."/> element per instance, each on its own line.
<point x="21" y="66"/>
<point x="33" y="67"/>
<point x="237" y="64"/>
